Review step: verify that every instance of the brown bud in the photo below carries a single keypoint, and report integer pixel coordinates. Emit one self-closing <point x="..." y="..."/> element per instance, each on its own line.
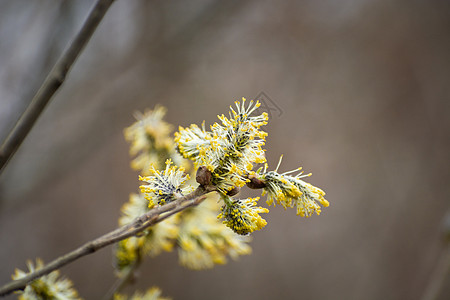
<point x="203" y="176"/>
<point x="233" y="191"/>
<point x="255" y="183"/>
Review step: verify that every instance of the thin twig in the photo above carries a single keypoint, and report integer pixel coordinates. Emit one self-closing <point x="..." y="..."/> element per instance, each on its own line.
<point x="139" y="224"/>
<point x="52" y="83"/>
<point x="439" y="275"/>
<point x="123" y="280"/>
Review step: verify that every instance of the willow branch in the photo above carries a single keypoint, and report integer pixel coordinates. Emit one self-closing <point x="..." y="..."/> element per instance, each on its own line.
<point x="52" y="83"/>
<point x="125" y="278"/>
<point x="442" y="271"/>
<point x="139" y="224"/>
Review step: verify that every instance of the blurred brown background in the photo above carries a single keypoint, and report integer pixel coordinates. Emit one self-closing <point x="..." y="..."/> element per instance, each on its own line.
<point x="359" y="95"/>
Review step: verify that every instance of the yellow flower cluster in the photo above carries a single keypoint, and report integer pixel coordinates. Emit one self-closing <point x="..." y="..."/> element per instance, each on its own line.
<point x="150" y="140"/>
<point x="191" y="140"/>
<point x="47" y="286"/>
<point x="242" y="215"/>
<point x="229" y="152"/>
<point x="153" y="293"/>
<point x="230" y="149"/>
<point x="164" y="186"/>
<point x="204" y="241"/>
<point x="290" y="191"/>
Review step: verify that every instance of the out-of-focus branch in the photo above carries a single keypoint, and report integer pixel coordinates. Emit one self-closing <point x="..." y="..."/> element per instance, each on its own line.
<point x="52" y="83"/>
<point x="123" y="280"/>
<point x="441" y="271"/>
<point x="148" y="219"/>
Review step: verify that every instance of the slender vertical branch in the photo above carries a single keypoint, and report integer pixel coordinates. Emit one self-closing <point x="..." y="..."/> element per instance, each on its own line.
<point x="52" y="83"/>
<point x="123" y="280"/>
<point x="139" y="224"/>
<point x="441" y="272"/>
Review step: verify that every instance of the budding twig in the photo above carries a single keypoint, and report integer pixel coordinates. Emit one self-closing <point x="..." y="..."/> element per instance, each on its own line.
<point x="139" y="224"/>
<point x="52" y="83"/>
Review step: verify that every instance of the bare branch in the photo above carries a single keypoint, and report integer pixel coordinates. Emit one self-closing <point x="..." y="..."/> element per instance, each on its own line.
<point x="139" y="224"/>
<point x="437" y="280"/>
<point x="52" y="83"/>
<point x="123" y="280"/>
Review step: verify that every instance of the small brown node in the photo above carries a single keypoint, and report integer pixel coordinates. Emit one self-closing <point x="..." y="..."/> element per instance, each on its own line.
<point x="203" y="176"/>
